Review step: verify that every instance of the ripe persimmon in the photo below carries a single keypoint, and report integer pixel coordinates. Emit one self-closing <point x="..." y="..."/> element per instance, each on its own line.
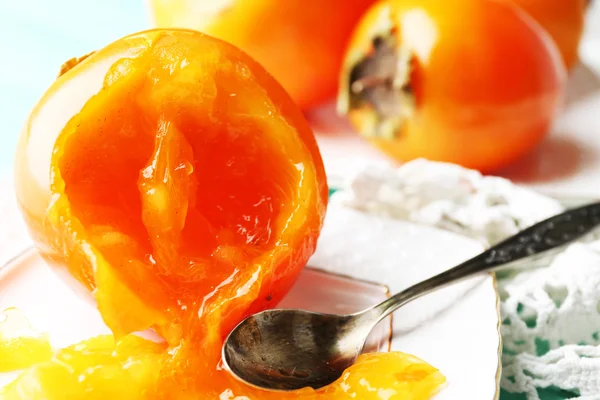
<point x="176" y="180"/>
<point x="300" y="42"/>
<point x="473" y="82"/>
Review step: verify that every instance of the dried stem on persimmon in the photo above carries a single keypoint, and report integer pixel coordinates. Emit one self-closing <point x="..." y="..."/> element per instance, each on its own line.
<point x="380" y="83"/>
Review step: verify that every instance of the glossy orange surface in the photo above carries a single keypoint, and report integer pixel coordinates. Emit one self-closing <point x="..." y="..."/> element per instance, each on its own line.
<point x="484" y="81"/>
<point x="563" y="20"/>
<point x="300" y="42"/>
<point x="101" y="368"/>
<point x="169" y="171"/>
<point x="94" y="369"/>
<point x="178" y="183"/>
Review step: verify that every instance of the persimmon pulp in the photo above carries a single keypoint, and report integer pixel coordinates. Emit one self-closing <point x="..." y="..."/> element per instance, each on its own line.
<point x="184" y="180"/>
<point x="186" y="192"/>
<point x="20" y="345"/>
<point x="101" y="367"/>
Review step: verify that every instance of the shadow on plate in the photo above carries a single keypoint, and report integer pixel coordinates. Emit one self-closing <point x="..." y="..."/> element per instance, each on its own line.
<point x="558" y="157"/>
<point x="582" y="83"/>
<point x="325" y="120"/>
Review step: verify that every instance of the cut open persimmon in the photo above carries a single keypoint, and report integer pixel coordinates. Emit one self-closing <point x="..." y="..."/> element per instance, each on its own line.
<point x="178" y="183"/>
<point x="189" y="174"/>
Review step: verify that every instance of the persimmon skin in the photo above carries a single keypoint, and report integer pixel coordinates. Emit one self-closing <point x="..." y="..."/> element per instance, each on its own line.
<point x="563" y="20"/>
<point x="485" y="79"/>
<point x="300" y="42"/>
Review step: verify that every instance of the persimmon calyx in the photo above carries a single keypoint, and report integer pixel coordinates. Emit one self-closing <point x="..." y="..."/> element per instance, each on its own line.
<point x="379" y="84"/>
<point x="69" y="64"/>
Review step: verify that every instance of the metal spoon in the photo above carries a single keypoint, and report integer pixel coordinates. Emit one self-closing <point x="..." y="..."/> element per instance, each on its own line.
<point x="291" y="349"/>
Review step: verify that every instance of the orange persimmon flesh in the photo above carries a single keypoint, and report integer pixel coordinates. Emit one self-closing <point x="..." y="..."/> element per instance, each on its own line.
<point x="185" y="192"/>
<point x="130" y="369"/>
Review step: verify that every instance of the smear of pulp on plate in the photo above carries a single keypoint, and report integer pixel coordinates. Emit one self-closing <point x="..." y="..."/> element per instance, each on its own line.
<point x="20" y="345"/>
<point x="186" y="193"/>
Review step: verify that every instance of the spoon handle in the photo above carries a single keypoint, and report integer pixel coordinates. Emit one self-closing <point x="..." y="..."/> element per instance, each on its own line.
<point x="551" y="234"/>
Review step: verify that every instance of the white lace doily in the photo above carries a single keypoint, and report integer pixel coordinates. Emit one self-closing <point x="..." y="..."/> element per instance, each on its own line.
<point x="551" y="315"/>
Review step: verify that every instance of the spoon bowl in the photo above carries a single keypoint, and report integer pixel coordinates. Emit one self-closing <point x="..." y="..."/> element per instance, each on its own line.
<point x="310" y="339"/>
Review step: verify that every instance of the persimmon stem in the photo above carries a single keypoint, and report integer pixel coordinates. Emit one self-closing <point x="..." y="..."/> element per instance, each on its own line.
<point x="380" y="85"/>
<point x="368" y="82"/>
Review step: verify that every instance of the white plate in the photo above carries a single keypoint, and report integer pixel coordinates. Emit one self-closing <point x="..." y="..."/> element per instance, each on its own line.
<point x="455" y="329"/>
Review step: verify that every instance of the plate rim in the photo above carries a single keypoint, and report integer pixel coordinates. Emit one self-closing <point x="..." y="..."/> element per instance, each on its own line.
<point x="566" y="202"/>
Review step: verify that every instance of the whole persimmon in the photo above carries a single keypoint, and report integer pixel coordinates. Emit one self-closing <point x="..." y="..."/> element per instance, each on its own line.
<point x="300" y="42"/>
<point x="176" y="181"/>
<point x="563" y="20"/>
<point x="473" y="82"/>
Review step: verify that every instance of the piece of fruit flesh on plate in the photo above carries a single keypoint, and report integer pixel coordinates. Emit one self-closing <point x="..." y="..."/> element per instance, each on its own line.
<point x="20" y="345"/>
